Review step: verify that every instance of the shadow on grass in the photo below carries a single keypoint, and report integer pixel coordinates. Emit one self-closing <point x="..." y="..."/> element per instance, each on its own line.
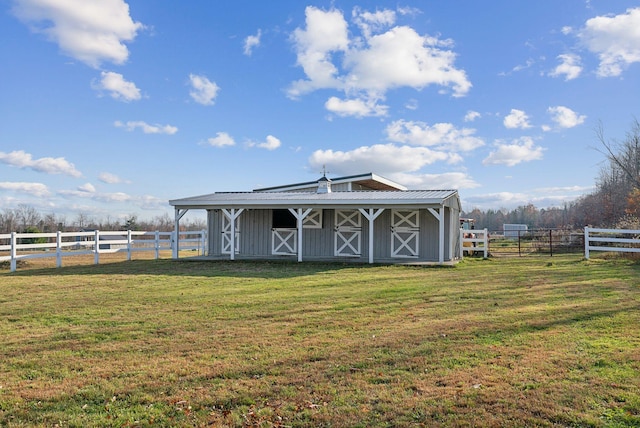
<point x="204" y="268"/>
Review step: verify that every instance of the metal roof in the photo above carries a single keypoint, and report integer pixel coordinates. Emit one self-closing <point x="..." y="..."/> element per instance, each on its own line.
<point x="371" y="180"/>
<point x="370" y="198"/>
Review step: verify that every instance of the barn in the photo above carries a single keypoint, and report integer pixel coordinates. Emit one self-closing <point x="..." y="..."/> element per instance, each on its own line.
<point x="359" y="218"/>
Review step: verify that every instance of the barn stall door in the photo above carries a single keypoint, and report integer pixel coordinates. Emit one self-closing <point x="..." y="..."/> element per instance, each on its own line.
<point x="348" y="236"/>
<point x="226" y="236"/>
<point x="405" y="233"/>
<point x="284" y="241"/>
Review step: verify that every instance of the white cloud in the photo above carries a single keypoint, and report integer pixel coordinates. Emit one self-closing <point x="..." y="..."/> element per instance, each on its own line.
<point x="517" y="119"/>
<point x="385" y="159"/>
<point x="443" y="136"/>
<point x="203" y="90"/>
<point x="87" y="187"/>
<point x="523" y="150"/>
<point x="471" y="116"/>
<point x="355" y="107"/>
<point x="373" y="21"/>
<point x="366" y="67"/>
<point x="35" y="189"/>
<point x="222" y="139"/>
<point x="615" y="39"/>
<point x="21" y="159"/>
<point x="564" y="117"/>
<point x="107" y="177"/>
<point x="447" y="180"/>
<point x="89" y="31"/>
<point x="569" y="67"/>
<point x="146" y="128"/>
<point x="271" y="143"/>
<point x="251" y="42"/>
<point x="117" y="86"/>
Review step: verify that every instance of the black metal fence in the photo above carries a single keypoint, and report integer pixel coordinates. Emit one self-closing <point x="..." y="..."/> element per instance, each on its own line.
<point x="544" y="242"/>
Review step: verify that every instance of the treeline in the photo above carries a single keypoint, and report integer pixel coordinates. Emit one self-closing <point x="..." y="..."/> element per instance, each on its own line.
<point x="26" y="219"/>
<point x="614" y="204"/>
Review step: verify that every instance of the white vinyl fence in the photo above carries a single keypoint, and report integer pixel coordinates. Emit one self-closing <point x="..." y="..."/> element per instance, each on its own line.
<point x="474" y="241"/>
<point x="20" y="246"/>
<point x="619" y="240"/>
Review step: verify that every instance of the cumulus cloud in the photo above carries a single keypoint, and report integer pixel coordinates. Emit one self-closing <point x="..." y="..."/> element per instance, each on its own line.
<point x="471" y="116"/>
<point x="107" y="177"/>
<point x="447" y="180"/>
<point x="35" y="189"/>
<point x="48" y="165"/>
<point x="271" y="143"/>
<point x="569" y="67"/>
<point x="386" y="159"/>
<point x="118" y="88"/>
<point x="251" y="42"/>
<point x="522" y="150"/>
<point x="89" y="31"/>
<point x="564" y="117"/>
<point x="146" y="128"/>
<point x="614" y="39"/>
<point x="87" y="187"/>
<point x="203" y="91"/>
<point x="355" y="107"/>
<point x="365" y="67"/>
<point x="443" y="136"/>
<point x="517" y="119"/>
<point x="222" y="139"/>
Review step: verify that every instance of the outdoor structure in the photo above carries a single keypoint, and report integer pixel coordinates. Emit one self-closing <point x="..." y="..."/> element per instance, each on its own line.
<point x="360" y="218"/>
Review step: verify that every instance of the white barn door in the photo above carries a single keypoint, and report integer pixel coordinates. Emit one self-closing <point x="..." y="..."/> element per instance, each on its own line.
<point x="405" y="233"/>
<point x="226" y="236"/>
<point x="348" y="236"/>
<point x="284" y="241"/>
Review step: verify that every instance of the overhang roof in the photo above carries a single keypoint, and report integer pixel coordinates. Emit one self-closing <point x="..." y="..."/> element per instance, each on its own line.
<point x="370" y="180"/>
<point x="354" y="199"/>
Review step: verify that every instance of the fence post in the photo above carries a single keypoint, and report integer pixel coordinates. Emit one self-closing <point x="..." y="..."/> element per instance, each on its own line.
<point x="58" y="249"/>
<point x="550" y="243"/>
<point x="586" y="242"/>
<point x="96" y="247"/>
<point x="486" y="243"/>
<point x="13" y="252"/>
<point x="519" y="243"/>
<point x="157" y="244"/>
<point x="128" y="245"/>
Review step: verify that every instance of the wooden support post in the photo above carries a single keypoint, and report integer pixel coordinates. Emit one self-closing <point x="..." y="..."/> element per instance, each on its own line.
<point x="371" y="215"/>
<point x="300" y="215"/>
<point x="439" y="215"/>
<point x="175" y="244"/>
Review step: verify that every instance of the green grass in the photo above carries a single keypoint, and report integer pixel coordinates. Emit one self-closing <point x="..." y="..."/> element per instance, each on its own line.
<point x="497" y="342"/>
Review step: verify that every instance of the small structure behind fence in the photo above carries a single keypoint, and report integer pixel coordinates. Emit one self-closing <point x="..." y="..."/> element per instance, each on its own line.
<point x="617" y="240"/>
<point x="22" y="246"/>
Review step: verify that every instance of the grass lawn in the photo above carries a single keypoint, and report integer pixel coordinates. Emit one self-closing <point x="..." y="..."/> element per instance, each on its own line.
<point x="531" y="341"/>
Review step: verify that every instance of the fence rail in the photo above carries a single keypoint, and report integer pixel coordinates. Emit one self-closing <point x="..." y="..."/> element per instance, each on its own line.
<point x="20" y="246"/>
<point x="617" y="240"/>
<point x="473" y="242"/>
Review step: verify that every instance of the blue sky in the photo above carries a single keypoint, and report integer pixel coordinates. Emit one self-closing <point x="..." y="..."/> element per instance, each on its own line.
<point x="111" y="108"/>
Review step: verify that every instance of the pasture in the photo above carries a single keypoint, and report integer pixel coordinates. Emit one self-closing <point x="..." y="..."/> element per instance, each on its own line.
<point x="531" y="341"/>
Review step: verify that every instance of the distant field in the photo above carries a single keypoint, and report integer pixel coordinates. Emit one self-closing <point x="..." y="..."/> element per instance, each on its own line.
<point x="531" y="341"/>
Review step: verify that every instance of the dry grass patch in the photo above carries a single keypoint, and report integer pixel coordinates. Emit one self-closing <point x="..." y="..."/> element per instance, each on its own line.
<point x="513" y="342"/>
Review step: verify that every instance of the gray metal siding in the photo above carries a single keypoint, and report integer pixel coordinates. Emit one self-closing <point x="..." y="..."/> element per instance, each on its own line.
<point x="256" y="236"/>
